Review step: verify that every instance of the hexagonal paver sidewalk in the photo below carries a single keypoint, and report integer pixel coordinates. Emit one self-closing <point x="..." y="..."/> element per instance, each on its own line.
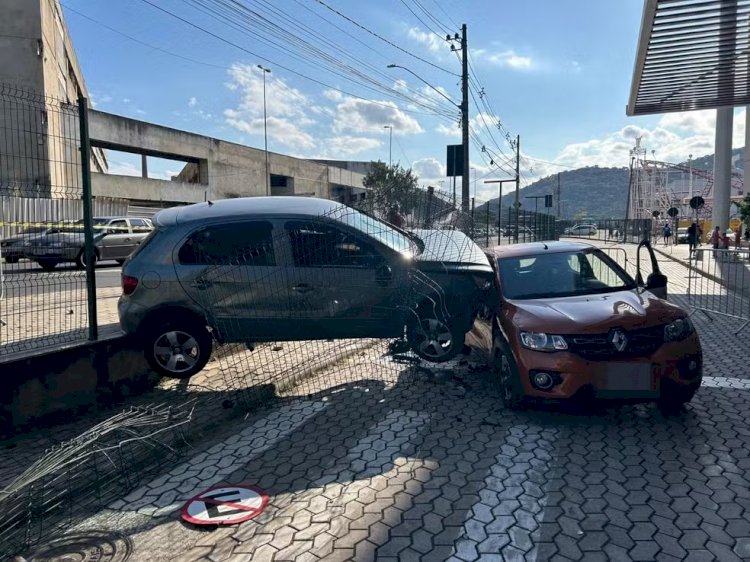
<point x="387" y="462"/>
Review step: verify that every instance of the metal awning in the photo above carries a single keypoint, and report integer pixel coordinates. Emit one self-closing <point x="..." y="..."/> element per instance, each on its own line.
<point x="692" y="54"/>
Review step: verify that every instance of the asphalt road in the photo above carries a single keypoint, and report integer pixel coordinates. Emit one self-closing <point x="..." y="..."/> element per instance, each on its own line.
<point x="25" y="277"/>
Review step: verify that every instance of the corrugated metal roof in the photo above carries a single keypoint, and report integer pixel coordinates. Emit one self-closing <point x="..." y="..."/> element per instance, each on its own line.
<point x="692" y="54"/>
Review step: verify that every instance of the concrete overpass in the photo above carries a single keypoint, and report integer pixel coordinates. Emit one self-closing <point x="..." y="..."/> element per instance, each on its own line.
<point x="213" y="168"/>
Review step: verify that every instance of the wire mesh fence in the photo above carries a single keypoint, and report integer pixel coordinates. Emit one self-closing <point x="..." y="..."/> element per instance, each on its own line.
<point x="296" y="303"/>
<point x="719" y="282"/>
<point x="41" y="194"/>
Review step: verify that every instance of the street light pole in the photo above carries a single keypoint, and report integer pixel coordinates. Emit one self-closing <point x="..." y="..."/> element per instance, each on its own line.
<point x="390" y="144"/>
<point x="499" y="203"/>
<point x="265" y="128"/>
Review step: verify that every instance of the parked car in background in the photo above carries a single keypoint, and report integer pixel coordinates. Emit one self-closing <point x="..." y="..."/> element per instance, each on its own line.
<point x="115" y="238"/>
<point x="525" y="234"/>
<point x="16" y="247"/>
<point x="581" y="230"/>
<point x="682" y="236"/>
<point x="570" y="322"/>
<point x="289" y="268"/>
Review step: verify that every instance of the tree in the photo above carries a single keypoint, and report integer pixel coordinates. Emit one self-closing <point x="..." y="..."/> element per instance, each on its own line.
<point x="393" y="189"/>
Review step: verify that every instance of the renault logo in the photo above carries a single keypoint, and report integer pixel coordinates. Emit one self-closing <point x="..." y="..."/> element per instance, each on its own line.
<point x="619" y="340"/>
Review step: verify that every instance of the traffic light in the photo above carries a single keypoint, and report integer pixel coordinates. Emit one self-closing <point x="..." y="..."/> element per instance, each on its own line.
<point x="548" y="201"/>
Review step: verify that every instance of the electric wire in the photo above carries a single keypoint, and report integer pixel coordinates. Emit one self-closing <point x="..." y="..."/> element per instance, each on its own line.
<point x="272" y="62"/>
<point x="391" y="43"/>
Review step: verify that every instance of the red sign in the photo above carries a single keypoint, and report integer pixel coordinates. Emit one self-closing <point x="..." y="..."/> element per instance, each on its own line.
<point x="225" y="504"/>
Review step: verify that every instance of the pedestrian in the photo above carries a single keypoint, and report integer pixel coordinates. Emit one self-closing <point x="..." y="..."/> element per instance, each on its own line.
<point x="666" y="233"/>
<point x="715" y="238"/>
<point x="747" y="234"/>
<point x="700" y="235"/>
<point x="724" y="242"/>
<point x="692" y="233"/>
<point x="737" y="239"/>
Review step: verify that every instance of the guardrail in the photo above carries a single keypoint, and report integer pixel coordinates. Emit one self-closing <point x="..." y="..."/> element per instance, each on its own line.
<point x="719" y="283"/>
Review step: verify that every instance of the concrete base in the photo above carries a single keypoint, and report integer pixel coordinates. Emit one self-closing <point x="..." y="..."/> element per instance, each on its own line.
<point x="71" y="380"/>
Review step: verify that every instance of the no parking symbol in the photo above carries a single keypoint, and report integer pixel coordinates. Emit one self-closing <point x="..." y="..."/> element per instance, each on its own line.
<point x="225" y="505"/>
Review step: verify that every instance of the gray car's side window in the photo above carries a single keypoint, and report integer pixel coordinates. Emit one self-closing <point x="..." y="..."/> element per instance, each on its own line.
<point x="321" y="245"/>
<point x="139" y="225"/>
<point x="239" y="243"/>
<point x="118" y="227"/>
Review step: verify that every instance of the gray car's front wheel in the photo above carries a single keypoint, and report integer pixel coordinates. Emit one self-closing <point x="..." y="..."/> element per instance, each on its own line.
<point x="435" y="337"/>
<point x="178" y="350"/>
<point x="81" y="259"/>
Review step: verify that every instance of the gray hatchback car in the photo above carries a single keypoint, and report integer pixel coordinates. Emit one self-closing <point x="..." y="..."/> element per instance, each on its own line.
<point x="290" y="268"/>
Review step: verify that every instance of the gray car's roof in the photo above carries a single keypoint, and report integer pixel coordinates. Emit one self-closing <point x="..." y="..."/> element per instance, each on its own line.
<point x="226" y="208"/>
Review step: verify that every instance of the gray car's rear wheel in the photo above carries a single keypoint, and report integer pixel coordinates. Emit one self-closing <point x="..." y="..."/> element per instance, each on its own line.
<point x="178" y="350"/>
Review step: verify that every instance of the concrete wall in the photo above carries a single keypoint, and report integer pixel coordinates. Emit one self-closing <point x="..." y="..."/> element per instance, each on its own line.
<point x="146" y="189"/>
<point x="73" y="379"/>
<point x="225" y="169"/>
<point x="20" y="30"/>
<point x="37" y="110"/>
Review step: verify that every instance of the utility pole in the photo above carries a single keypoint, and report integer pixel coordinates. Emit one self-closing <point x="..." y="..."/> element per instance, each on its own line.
<point x="518" y="181"/>
<point x="465" y="119"/>
<point x="558" y="196"/>
<point x="265" y="128"/>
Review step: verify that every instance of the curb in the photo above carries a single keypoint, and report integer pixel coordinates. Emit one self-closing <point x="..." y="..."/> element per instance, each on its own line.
<point x="713" y="278"/>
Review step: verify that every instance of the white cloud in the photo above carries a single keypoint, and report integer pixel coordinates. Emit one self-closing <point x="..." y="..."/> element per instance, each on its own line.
<point x="365" y="116"/>
<point x="192" y="102"/>
<point x="339" y="147"/>
<point x="123" y="169"/>
<point x="428" y="39"/>
<point x="507" y="58"/>
<point x="449" y="131"/>
<point x="125" y="100"/>
<point x="674" y="137"/>
<point x="333" y="95"/>
<point x="428" y="169"/>
<point x="286" y="108"/>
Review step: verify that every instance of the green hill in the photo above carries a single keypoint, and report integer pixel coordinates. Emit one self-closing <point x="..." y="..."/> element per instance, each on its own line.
<point x="591" y="192"/>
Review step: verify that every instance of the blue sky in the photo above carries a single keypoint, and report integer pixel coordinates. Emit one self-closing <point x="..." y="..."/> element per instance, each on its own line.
<point x="557" y="73"/>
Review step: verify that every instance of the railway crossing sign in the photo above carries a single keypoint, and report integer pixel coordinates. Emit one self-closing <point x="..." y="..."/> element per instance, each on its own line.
<point x="226" y="504"/>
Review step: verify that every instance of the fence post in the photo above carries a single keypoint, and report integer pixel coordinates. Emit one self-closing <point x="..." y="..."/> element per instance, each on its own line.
<point x="487" y="229"/>
<point x="430" y="193"/>
<point x="471" y="225"/>
<point x="88" y="222"/>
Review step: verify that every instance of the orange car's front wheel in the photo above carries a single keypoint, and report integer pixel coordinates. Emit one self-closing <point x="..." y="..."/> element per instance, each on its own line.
<point x="506" y="374"/>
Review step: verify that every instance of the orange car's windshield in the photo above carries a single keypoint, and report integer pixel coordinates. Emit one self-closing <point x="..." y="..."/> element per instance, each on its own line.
<point x="561" y="274"/>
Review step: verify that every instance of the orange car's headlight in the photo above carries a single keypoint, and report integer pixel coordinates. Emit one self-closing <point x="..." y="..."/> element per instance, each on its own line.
<point x="539" y="341"/>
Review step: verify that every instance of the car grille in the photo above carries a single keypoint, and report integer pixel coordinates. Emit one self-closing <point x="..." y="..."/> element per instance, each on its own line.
<point x="599" y="347"/>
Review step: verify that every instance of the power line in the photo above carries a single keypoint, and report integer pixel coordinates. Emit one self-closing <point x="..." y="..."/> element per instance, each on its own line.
<point x="267" y="60"/>
<point x="391" y="43"/>
<point x="150" y="46"/>
<point x="445" y="13"/>
<point x="244" y="19"/>
<point x="420" y="20"/>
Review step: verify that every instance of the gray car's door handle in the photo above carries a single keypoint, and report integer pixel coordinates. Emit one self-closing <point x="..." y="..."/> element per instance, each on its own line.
<point x="302" y="288"/>
<point x="127" y="240"/>
<point x="201" y="284"/>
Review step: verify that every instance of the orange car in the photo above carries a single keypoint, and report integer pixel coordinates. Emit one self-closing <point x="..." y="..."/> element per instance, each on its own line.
<point x="570" y="322"/>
